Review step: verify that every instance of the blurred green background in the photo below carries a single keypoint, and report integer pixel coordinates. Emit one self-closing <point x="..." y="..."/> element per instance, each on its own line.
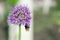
<point x="47" y="27"/>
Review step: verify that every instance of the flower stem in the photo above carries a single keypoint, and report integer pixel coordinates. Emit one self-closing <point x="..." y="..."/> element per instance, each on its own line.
<point x="19" y="32"/>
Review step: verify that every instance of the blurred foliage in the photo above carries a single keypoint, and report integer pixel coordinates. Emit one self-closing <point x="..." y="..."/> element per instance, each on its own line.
<point x="12" y="2"/>
<point x="47" y="27"/>
<point x="58" y="4"/>
<point x="55" y="16"/>
<point x="41" y="21"/>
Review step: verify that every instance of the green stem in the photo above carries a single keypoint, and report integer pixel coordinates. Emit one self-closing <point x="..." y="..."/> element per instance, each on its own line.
<point x="19" y="32"/>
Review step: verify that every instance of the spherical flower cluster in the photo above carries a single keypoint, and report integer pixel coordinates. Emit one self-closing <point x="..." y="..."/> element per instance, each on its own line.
<point x="20" y="15"/>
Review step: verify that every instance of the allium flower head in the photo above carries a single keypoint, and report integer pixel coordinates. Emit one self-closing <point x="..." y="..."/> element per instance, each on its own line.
<point x="20" y="15"/>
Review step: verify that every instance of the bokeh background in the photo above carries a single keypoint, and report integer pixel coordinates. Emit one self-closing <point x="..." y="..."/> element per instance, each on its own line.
<point x="46" y="19"/>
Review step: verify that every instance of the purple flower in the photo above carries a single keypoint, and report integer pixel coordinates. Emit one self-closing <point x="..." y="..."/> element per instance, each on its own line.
<point x="20" y="15"/>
